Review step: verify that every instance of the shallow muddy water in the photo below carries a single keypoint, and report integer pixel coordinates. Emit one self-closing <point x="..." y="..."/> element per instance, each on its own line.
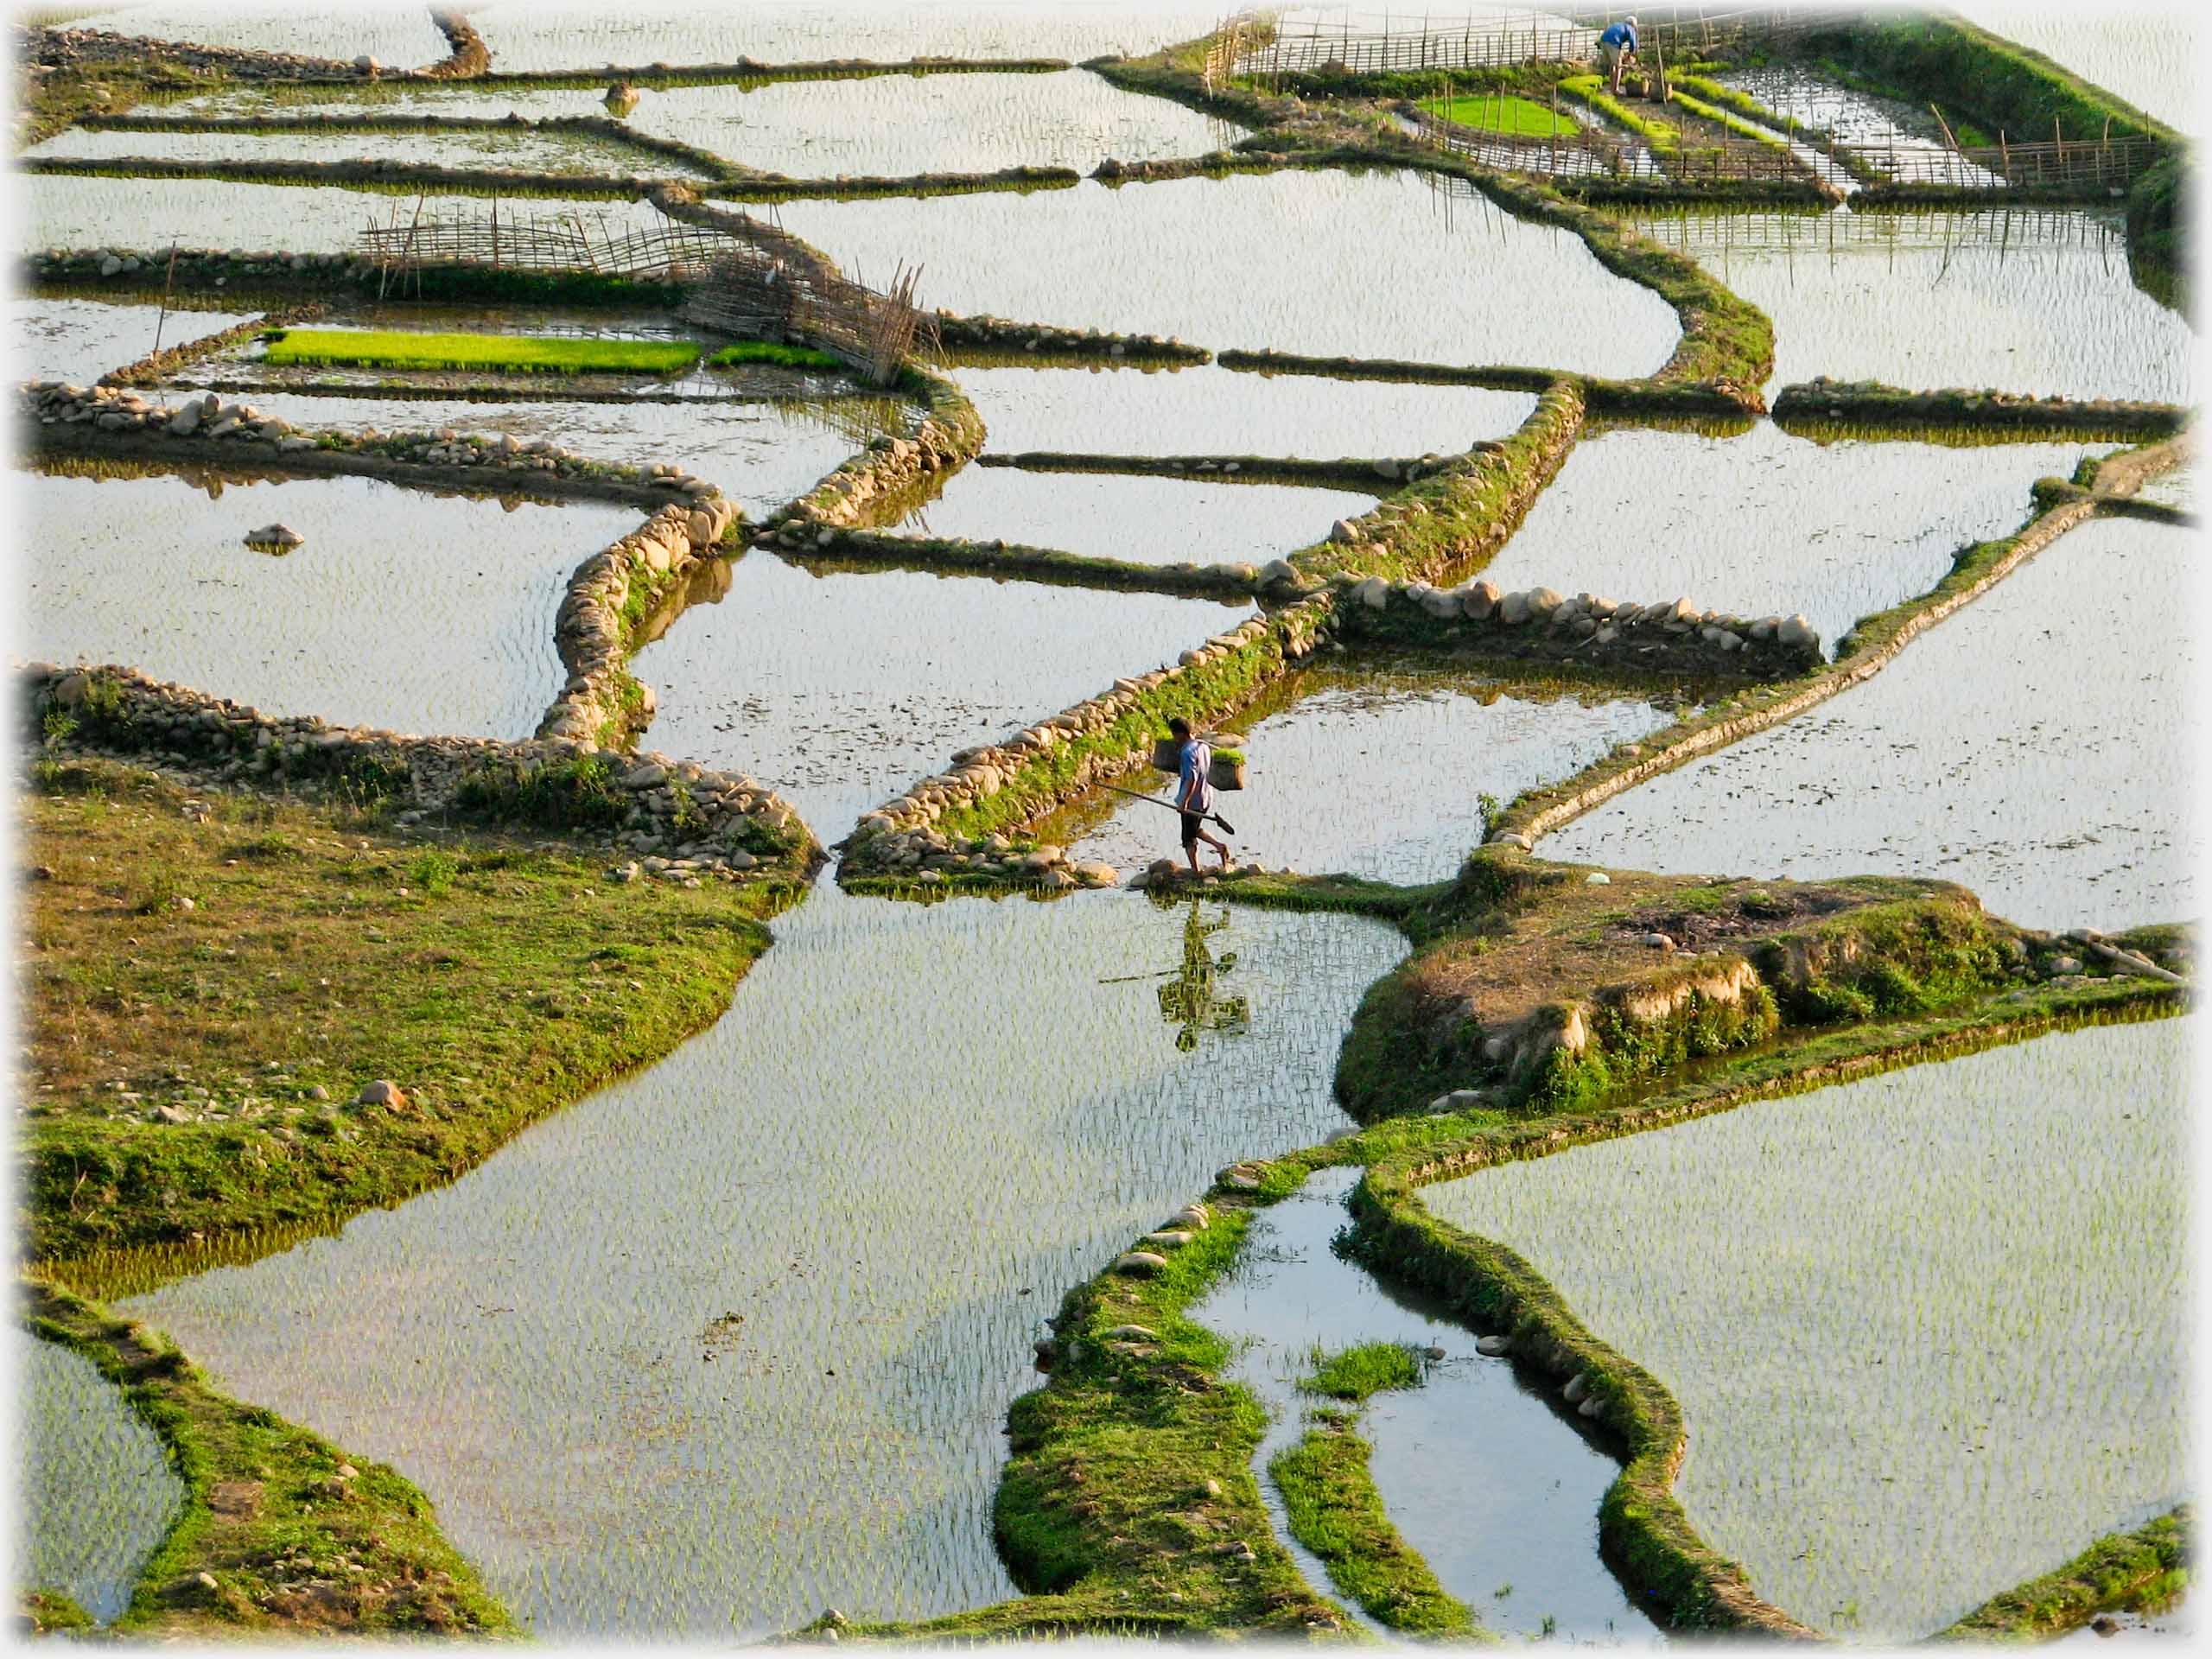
<point x="732" y="1341"/>
<point x="762" y="455"/>
<point x="78" y="340"/>
<point x="1135" y="516"/>
<point x="2027" y="747"/>
<point x="1770" y="524"/>
<point x="536" y="152"/>
<point x="569" y="34"/>
<point x="2035" y="302"/>
<point x="400" y="36"/>
<point x="1202" y="410"/>
<point x="1929" y="1331"/>
<point x="405" y="610"/>
<point x="95" y="1491"/>
<point x="841" y="690"/>
<point x="1494" y="1489"/>
<point x="1376" y="765"/>
<point x="152" y="213"/>
<point x="1370" y="264"/>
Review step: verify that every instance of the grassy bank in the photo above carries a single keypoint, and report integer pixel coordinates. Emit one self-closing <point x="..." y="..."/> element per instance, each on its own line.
<point x="281" y="1534"/>
<point x="768" y="351"/>
<point x="211" y="978"/>
<point x="536" y="353"/>
<point x="2125" y="1571"/>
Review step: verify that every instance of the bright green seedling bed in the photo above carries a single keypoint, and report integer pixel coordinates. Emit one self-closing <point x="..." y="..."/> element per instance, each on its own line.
<point x="1929" y="1331"/>
<point x="540" y="353"/>
<point x="1521" y="116"/>
<point x="764" y="351"/>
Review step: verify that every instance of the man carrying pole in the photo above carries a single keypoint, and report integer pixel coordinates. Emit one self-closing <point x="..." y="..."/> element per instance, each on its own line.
<point x="1194" y="792"/>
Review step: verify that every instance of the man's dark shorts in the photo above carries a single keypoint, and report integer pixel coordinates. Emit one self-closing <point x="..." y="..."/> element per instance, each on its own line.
<point x="1191" y="823"/>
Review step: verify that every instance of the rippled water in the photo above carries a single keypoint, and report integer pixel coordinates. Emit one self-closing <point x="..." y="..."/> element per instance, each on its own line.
<point x="732" y="1341"/>
<point x="540" y="152"/>
<point x="1853" y="117"/>
<point x="1929" y="1331"/>
<point x="95" y="1488"/>
<point x="762" y="455"/>
<point x="1135" y="516"/>
<point x="1208" y="411"/>
<point x="841" y="689"/>
<point x="411" y="611"/>
<point x="2036" y="302"/>
<point x="1372" y="265"/>
<point x="530" y="35"/>
<point x="1376" y="766"/>
<point x="152" y="213"/>
<point x="1768" y="523"/>
<point x="80" y="340"/>
<point x="2027" y="747"/>
<point x="401" y="36"/>
<point x="1480" y="1475"/>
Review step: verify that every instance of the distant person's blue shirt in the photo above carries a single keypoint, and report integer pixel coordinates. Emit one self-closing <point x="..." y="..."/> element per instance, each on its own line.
<point x="1619" y="34"/>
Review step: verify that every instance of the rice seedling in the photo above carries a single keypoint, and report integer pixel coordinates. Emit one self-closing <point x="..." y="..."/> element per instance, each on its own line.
<point x="1927" y="1331"/>
<point x="1508" y="113"/>
<point x="95" y="1486"/>
<point x="771" y="352"/>
<point x="2047" y="793"/>
<point x="531" y="353"/>
<point x="477" y="583"/>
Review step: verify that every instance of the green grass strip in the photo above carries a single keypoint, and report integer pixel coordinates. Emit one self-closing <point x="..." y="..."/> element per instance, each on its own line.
<point x="1734" y="123"/>
<point x="1336" y="1512"/>
<point x="1354" y="1374"/>
<point x="2145" y="1569"/>
<point x="767" y="351"/>
<point x="546" y="353"/>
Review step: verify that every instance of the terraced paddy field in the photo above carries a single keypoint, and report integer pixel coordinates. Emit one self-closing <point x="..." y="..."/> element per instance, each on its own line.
<point x="1641" y="1140"/>
<point x="1927" y="1330"/>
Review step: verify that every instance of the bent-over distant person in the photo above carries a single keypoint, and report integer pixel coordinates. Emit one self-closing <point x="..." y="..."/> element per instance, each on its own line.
<point x="1194" y="792"/>
<point x="1615" y="48"/>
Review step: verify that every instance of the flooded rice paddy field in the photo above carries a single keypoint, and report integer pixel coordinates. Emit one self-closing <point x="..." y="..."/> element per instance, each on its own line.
<point x="1368" y="264"/>
<point x="94" y="1485"/>
<point x="147" y="213"/>
<point x="1852" y="117"/>
<point x="2024" y="301"/>
<point x="78" y="340"/>
<point x="2026" y="747"/>
<point x="1139" y="516"/>
<point x="733" y="1340"/>
<point x="1929" y="1331"/>
<point x="568" y="34"/>
<point x="401" y="36"/>
<point x="1492" y="1485"/>
<point x="840" y="688"/>
<point x="880" y="126"/>
<point x="1208" y="411"/>
<point x="536" y="152"/>
<point x="762" y="455"/>
<point x="1768" y="523"/>
<point x="414" y="611"/>
<point x="1374" y="765"/>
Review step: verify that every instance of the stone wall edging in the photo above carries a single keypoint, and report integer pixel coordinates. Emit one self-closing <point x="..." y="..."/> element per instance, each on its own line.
<point x="154" y="717"/>
<point x="1820" y="401"/>
<point x="950" y="433"/>
<point x="156" y="366"/>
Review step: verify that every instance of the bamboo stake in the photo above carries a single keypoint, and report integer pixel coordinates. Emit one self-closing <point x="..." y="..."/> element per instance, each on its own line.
<point x="166" y="287"/>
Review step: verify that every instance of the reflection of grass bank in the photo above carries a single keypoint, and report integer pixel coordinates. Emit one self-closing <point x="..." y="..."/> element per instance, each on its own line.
<point x="280" y="1532"/>
<point x="214" y="976"/>
<point x="547" y="354"/>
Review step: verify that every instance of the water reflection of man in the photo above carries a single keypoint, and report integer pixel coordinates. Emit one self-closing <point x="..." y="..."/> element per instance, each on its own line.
<point x="1188" y="1000"/>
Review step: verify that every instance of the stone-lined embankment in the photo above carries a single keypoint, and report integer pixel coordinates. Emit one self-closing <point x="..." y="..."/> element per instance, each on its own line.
<point x="1361" y="472"/>
<point x="950" y="433"/>
<point x="989" y="334"/>
<point x="1539" y="625"/>
<point x="1812" y="405"/>
<point x="703" y="823"/>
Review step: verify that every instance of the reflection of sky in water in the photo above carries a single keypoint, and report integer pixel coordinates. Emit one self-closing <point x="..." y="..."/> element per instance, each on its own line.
<point x="1910" y="1380"/>
<point x="402" y="610"/>
<point x="1138" y="517"/>
<point x="2031" y="748"/>
<point x="841" y="689"/>
<point x="1515" y="1503"/>
<point x="400" y="36"/>
<point x="915" y="1129"/>
<point x="1374" y="766"/>
<point x="80" y="340"/>
<point x="1207" y="410"/>
<point x="2035" y="302"/>
<point x="1376" y="264"/>
<point x="1770" y="524"/>
<point x="94" y="1482"/>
